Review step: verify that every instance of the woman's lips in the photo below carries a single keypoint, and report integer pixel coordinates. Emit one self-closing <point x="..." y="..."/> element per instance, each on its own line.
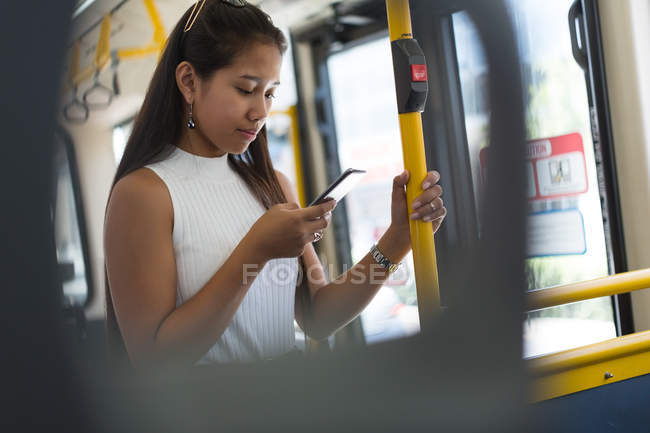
<point x="248" y="133"/>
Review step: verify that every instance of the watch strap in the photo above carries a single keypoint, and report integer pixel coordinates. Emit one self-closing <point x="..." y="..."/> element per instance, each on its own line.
<point x="382" y="260"/>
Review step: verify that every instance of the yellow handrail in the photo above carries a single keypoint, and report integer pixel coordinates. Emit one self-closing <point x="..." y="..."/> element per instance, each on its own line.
<point x="103" y="50"/>
<point x="597" y="364"/>
<point x="424" y="253"/>
<point x="103" y="54"/>
<point x="605" y="286"/>
<point x="591" y="354"/>
<point x="590" y="366"/>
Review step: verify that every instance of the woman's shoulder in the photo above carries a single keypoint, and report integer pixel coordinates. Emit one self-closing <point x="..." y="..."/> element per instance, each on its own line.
<point x="142" y="192"/>
<point x="287" y="187"/>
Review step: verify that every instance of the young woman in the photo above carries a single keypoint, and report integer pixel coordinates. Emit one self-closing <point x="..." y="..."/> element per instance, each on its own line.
<point x="203" y="239"/>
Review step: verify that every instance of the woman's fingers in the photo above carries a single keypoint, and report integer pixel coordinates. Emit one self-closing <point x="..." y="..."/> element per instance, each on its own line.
<point x="319" y="210"/>
<point x="430" y="208"/>
<point x="426" y="197"/>
<point x="315" y="225"/>
<point x="401" y="180"/>
<point x="438" y="214"/>
<point x="432" y="178"/>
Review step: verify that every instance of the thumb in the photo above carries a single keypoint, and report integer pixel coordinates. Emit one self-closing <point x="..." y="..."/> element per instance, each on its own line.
<point x="401" y="180"/>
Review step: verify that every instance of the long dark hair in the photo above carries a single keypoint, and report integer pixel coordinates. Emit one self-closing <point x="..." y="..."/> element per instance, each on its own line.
<point x="220" y="33"/>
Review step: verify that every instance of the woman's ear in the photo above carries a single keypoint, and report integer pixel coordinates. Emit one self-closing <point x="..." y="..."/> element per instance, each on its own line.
<point x="186" y="80"/>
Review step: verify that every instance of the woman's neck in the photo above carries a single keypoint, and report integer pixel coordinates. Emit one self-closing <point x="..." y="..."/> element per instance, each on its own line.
<point x="196" y="143"/>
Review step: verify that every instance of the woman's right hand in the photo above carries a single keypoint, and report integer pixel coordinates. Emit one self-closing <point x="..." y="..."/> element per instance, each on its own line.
<point x="285" y="229"/>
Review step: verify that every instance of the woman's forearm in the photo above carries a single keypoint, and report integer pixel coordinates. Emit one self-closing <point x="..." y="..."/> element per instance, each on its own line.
<point x="339" y="302"/>
<point x="194" y="327"/>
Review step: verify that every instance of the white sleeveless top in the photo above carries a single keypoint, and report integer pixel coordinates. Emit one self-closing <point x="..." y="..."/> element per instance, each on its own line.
<point x="213" y="210"/>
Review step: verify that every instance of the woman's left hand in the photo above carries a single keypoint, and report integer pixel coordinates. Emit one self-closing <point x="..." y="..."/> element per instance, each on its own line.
<point x="427" y="206"/>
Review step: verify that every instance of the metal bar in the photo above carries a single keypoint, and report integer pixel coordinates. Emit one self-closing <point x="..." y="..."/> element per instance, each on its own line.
<point x="399" y="19"/>
<point x="294" y="139"/>
<point x="590" y="366"/>
<point x="606" y="286"/>
<point x="424" y="255"/>
<point x="297" y="155"/>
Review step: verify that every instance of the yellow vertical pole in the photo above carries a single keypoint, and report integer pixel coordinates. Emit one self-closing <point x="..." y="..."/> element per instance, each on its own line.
<point x="424" y="254"/>
<point x="297" y="155"/>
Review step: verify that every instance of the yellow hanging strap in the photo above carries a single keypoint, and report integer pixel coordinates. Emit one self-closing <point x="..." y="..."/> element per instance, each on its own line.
<point x="158" y="40"/>
<point x="75" y="58"/>
<point x="101" y="59"/>
<point x="103" y="50"/>
<point x="411" y="76"/>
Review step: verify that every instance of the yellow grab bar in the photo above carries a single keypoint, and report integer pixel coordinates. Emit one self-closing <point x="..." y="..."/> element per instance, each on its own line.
<point x="424" y="254"/>
<point x="158" y="39"/>
<point x="605" y="286"/>
<point x="103" y="50"/>
<point x="590" y="366"/>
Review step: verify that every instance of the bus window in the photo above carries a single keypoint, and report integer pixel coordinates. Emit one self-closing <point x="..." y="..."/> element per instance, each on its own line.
<point x="566" y="232"/>
<point x="368" y="137"/>
<point x="121" y="135"/>
<point x="69" y="227"/>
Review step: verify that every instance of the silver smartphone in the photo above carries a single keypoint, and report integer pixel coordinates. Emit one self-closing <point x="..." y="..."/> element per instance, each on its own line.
<point x="341" y="186"/>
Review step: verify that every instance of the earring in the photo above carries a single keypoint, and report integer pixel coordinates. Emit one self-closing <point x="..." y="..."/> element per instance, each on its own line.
<point x="190" y="122"/>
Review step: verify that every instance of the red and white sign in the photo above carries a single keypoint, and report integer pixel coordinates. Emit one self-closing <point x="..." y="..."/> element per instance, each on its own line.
<point x="555" y="167"/>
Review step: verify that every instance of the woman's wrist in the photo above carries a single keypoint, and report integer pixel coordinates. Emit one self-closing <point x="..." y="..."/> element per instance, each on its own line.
<point x="394" y="245"/>
<point x="253" y="252"/>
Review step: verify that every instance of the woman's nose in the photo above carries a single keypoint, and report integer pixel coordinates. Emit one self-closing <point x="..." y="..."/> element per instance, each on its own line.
<point x="260" y="110"/>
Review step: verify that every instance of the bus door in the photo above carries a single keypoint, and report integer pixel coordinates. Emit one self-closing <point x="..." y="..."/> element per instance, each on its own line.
<point x="357" y="117"/>
<point x="574" y="231"/>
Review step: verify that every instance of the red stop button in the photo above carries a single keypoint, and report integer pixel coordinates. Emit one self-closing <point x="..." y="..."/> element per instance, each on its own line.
<point x="418" y="73"/>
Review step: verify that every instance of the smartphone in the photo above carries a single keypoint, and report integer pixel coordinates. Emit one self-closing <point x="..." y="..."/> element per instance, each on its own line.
<point x="341" y="186"/>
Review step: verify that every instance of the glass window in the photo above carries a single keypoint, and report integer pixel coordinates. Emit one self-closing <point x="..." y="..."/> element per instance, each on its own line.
<point x="566" y="240"/>
<point x="68" y="230"/>
<point x="367" y="131"/>
<point x="121" y="135"/>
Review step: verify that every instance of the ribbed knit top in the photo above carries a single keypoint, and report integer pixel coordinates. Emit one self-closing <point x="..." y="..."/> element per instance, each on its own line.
<point x="213" y="210"/>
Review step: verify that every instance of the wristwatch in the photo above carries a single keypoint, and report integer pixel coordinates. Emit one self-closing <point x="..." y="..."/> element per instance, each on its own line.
<point x="382" y="260"/>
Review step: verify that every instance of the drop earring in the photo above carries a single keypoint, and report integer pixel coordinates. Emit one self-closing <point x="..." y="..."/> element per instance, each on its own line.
<point x="190" y="122"/>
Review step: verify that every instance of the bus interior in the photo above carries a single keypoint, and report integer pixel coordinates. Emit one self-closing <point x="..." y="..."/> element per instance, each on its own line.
<point x="540" y="326"/>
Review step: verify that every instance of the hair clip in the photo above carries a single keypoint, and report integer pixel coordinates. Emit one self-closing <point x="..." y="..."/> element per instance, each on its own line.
<point x="193" y="15"/>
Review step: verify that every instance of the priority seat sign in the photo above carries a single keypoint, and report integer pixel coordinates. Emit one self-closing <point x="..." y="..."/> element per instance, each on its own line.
<point x="556" y="170"/>
<point x="556" y="167"/>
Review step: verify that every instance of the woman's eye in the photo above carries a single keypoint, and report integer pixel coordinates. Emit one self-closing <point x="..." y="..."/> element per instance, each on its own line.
<point x="244" y="92"/>
<point x="270" y="96"/>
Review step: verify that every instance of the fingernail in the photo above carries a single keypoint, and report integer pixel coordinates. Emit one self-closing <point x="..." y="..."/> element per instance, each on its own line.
<point x="426" y="185"/>
<point x="414" y="215"/>
<point x="427" y="218"/>
<point x="416" y="204"/>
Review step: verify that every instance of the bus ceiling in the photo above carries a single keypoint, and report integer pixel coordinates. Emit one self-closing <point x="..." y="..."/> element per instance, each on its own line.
<point x="286" y="13"/>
